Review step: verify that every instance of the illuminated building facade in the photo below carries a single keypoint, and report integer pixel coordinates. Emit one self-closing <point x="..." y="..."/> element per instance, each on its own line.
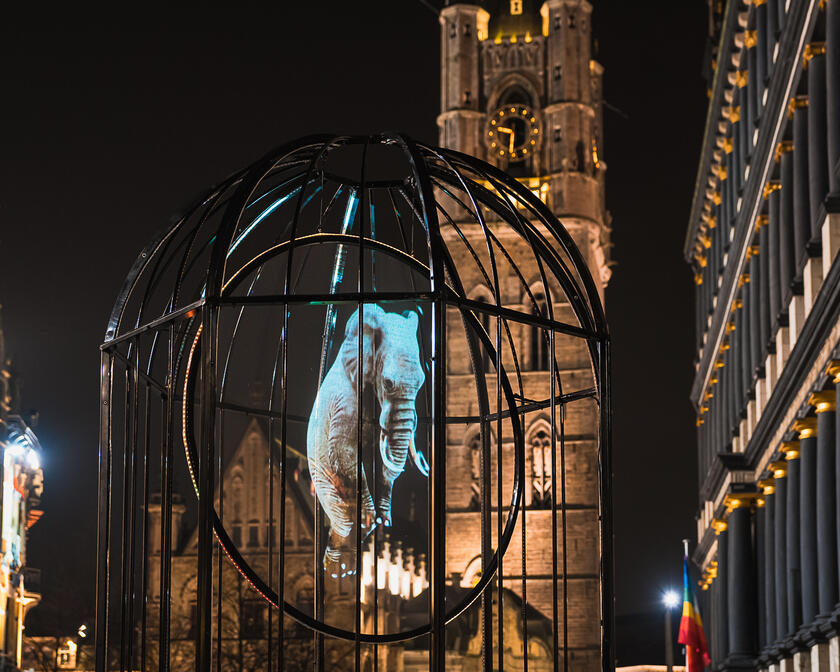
<point x="22" y="481"/>
<point x="519" y="89"/>
<point x="762" y="240"/>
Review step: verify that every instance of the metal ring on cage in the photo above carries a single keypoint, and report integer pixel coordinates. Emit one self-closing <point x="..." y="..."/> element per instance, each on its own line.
<point x="260" y="586"/>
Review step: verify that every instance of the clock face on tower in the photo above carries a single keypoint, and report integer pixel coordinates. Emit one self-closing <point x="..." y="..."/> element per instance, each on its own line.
<point x="512" y="132"/>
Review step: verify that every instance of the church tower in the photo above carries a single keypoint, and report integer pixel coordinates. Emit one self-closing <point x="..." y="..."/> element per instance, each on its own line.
<point x="520" y="90"/>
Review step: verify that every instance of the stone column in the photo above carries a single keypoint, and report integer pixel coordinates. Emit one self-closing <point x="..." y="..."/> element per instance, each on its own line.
<point x="772" y="34"/>
<point x="762" y="39"/>
<point x="826" y="511"/>
<point x="807" y="428"/>
<point x="756" y="281"/>
<point x="722" y="627"/>
<point x="771" y="193"/>
<point x="780" y="550"/>
<point x="794" y="570"/>
<point x="752" y="90"/>
<point x="832" y="70"/>
<point x="814" y="61"/>
<point x="764" y="287"/>
<point x="826" y="508"/>
<point x="761" y="568"/>
<point x="797" y="110"/>
<point x="743" y="127"/>
<point x="744" y="338"/>
<point x="769" y="550"/>
<point x="787" y="250"/>
<point x="740" y="583"/>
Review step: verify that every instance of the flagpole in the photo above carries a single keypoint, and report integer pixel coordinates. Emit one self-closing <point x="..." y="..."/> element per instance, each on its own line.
<point x="685" y="647"/>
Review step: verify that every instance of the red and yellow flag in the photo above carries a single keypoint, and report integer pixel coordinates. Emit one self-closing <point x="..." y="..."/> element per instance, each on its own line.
<point x="691" y="628"/>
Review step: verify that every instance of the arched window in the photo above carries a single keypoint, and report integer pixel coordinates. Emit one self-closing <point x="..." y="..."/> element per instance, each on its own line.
<point x="539" y="337"/>
<point x="539" y="448"/>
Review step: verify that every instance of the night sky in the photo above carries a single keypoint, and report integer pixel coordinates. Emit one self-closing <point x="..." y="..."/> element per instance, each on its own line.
<point x="112" y="123"/>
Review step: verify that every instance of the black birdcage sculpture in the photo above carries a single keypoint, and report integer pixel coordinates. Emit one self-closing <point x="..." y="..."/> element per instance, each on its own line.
<point x="355" y="415"/>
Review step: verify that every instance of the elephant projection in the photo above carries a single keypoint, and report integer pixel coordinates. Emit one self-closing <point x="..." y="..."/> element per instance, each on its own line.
<point x="341" y="434"/>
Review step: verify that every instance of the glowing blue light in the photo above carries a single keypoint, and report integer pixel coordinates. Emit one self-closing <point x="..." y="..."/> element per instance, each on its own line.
<point x="265" y="213"/>
<point x="349" y="216"/>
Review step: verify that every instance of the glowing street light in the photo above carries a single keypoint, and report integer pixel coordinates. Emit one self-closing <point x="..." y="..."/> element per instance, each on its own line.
<point x="670" y="600"/>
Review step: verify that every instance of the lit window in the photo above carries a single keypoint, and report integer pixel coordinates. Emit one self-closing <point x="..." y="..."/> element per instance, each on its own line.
<point x="516" y="7"/>
<point x="539" y="338"/>
<point x="541" y="470"/>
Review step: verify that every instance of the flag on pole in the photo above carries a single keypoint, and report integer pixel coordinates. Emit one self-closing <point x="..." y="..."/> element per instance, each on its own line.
<point x="691" y="627"/>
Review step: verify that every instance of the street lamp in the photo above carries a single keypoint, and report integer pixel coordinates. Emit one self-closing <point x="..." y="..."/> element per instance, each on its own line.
<point x="670" y="598"/>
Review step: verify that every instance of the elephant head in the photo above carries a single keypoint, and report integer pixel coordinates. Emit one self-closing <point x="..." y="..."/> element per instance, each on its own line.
<point x="398" y="378"/>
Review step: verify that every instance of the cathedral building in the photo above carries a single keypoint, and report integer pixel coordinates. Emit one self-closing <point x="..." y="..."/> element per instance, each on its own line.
<point x="763" y="239"/>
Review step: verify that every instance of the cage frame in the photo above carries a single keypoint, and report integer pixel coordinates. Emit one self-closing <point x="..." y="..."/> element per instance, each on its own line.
<point x="425" y="161"/>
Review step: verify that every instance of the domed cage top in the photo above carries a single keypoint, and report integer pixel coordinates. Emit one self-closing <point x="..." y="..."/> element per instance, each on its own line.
<point x="355" y="415"/>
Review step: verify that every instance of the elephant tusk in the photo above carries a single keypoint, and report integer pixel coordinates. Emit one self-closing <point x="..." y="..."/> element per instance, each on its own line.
<point x="419" y="459"/>
<point x="388" y="464"/>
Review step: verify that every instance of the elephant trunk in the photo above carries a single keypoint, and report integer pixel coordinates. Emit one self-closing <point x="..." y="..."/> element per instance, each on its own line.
<point x="398" y="423"/>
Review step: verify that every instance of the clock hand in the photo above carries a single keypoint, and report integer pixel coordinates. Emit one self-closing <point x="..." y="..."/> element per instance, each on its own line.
<point x="510" y="133"/>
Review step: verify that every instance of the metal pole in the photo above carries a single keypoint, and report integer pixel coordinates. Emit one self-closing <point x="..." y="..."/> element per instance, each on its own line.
<point x="669" y="641"/>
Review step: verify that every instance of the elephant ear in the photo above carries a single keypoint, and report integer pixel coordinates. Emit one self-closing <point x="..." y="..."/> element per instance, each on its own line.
<point x="349" y="355"/>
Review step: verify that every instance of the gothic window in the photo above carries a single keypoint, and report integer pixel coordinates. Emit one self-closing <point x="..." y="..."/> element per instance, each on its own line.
<point x="237" y="535"/>
<point x="466" y="30"/>
<point x="252" y="620"/>
<point x="558" y="72"/>
<point x="453" y="30"/>
<point x="558" y="134"/>
<point x="253" y="535"/>
<point x="467" y="97"/>
<point x="557" y="22"/>
<point x="515" y="7"/>
<point x="572" y="21"/>
<point x="581" y="155"/>
<point x="237" y="497"/>
<point x="539" y="341"/>
<point x="540" y="450"/>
